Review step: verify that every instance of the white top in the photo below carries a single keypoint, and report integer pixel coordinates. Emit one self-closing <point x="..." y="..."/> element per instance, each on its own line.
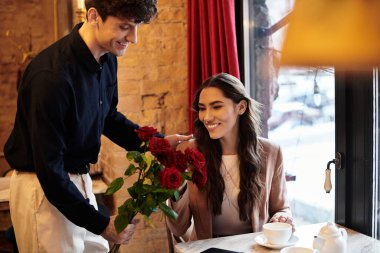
<point x="228" y="223"/>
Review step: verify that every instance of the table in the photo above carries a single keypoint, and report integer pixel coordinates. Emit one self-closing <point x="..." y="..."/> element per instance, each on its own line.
<point x="356" y="242"/>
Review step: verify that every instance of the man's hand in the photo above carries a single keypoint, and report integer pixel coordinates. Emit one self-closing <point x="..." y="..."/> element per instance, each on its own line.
<point x="176" y="139"/>
<point x="124" y="237"/>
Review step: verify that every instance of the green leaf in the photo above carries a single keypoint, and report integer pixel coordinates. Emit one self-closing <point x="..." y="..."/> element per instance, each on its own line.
<point x="148" y="163"/>
<point x="146" y="211"/>
<point x="151" y="176"/>
<point x="168" y="211"/>
<point x="130" y="170"/>
<point x="150" y="201"/>
<point x="115" y="186"/>
<point x="176" y="195"/>
<point x="147" y="181"/>
<point x="187" y="175"/>
<point x="121" y="222"/>
<point x="148" y="205"/>
<point x="131" y="155"/>
<point x="139" y="186"/>
<point x="142" y="161"/>
<point x="162" y="197"/>
<point x="156" y="167"/>
<point x="163" y="190"/>
<point x="127" y="207"/>
<point x="126" y="213"/>
<point x="133" y="191"/>
<point x="138" y="158"/>
<point x="163" y="194"/>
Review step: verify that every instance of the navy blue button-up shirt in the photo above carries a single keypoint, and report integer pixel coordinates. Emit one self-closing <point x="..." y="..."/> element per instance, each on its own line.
<point x="66" y="101"/>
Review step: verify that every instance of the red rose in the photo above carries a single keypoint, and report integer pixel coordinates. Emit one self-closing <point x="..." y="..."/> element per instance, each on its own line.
<point x="167" y="158"/>
<point x="180" y="161"/>
<point x="170" y="178"/>
<point x="159" y="145"/>
<point x="146" y="133"/>
<point x="195" y="157"/>
<point x="199" y="177"/>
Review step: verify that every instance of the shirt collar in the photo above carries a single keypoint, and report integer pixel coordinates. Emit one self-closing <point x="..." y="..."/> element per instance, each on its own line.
<point x="83" y="52"/>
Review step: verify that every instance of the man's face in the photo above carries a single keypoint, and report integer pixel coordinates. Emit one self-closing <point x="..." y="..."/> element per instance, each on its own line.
<point x="114" y="34"/>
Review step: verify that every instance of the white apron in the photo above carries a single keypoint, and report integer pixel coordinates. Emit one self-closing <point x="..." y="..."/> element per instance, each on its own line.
<point x="39" y="226"/>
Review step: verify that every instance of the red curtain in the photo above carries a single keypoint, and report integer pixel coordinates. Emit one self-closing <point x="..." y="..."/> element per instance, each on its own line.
<point x="211" y="39"/>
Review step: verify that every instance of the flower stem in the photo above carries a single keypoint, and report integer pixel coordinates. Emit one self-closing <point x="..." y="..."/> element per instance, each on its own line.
<point x="115" y="248"/>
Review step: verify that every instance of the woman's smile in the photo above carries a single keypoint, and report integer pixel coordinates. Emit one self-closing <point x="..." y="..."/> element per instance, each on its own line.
<point x="211" y="127"/>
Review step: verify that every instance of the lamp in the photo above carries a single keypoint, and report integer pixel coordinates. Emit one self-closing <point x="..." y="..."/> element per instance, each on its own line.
<point x="339" y="33"/>
<point x="317" y="98"/>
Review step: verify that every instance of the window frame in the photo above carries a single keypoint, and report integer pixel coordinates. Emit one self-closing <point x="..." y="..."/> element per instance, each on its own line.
<point x="354" y="138"/>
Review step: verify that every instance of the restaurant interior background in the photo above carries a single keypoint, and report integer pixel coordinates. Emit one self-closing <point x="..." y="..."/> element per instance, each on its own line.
<point x="312" y="112"/>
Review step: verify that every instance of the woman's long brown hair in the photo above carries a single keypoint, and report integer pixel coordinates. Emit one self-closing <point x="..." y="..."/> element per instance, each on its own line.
<point x="248" y="148"/>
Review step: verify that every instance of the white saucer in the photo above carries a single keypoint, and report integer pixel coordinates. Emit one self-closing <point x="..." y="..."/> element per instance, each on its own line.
<point x="262" y="240"/>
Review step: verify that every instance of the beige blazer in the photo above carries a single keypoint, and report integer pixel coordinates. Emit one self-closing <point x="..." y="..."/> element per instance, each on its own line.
<point x="193" y="203"/>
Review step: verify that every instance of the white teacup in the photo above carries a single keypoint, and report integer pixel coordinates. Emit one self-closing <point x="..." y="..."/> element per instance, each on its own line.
<point x="277" y="233"/>
<point x="296" y="249"/>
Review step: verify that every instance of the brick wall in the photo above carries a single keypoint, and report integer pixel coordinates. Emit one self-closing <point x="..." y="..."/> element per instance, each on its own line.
<point x="152" y="85"/>
<point x="21" y="32"/>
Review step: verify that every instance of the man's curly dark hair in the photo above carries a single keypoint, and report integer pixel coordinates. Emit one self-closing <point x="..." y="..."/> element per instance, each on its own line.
<point x="141" y="11"/>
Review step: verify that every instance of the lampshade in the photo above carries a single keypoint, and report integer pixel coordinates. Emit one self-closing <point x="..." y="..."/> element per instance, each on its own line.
<point x="340" y="33"/>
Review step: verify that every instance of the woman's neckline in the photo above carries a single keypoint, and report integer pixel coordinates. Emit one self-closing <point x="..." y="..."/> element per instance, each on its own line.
<point x="233" y="155"/>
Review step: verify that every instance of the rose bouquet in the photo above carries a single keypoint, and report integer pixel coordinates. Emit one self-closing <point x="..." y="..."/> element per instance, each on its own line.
<point x="161" y="172"/>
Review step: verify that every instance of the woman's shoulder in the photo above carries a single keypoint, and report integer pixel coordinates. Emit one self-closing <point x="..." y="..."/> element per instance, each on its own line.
<point x="271" y="153"/>
<point x="268" y="146"/>
<point x="187" y="144"/>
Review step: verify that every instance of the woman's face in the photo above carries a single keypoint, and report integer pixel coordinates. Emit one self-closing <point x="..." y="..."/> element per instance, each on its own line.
<point x="219" y="114"/>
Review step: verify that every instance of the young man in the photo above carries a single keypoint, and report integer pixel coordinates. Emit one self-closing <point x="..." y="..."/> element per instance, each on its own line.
<point x="66" y="101"/>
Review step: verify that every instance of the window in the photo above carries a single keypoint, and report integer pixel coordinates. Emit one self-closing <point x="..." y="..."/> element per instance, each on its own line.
<point x="345" y="114"/>
<point x="299" y="110"/>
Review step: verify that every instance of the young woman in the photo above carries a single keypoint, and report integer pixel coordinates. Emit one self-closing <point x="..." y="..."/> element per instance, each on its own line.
<point x="246" y="185"/>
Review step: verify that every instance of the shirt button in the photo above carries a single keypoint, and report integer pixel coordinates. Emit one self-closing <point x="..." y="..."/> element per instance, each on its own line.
<point x="100" y="102"/>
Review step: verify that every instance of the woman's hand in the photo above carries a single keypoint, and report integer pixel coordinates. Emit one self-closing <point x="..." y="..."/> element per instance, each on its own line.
<point x="283" y="217"/>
